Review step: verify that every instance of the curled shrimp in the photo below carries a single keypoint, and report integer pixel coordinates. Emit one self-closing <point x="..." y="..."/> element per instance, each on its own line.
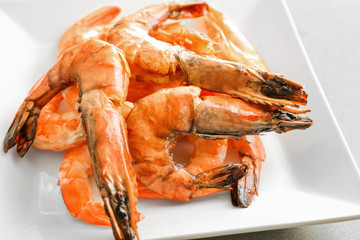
<point x="152" y="60"/>
<point x="180" y="111"/>
<point x="101" y="72"/>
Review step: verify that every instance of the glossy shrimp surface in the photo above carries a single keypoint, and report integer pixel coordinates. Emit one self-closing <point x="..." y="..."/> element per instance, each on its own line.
<point x="103" y="92"/>
<point x="157" y="118"/>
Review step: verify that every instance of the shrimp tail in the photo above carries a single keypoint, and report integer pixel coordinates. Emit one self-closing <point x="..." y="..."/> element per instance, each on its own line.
<point x="215" y="120"/>
<point x="240" y="197"/>
<point x="243" y="191"/>
<point x="240" y="81"/>
<point x="220" y="177"/>
<point x="287" y="121"/>
<point x="116" y="209"/>
<point x="23" y="128"/>
<point x="250" y="151"/>
<point x="113" y="172"/>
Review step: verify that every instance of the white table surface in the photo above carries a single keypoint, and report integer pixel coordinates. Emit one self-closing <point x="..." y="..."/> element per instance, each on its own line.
<point x="330" y="31"/>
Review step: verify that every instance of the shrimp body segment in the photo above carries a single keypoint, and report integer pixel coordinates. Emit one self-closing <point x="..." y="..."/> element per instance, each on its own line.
<point x="131" y="34"/>
<point x="159" y="117"/>
<point x="151" y="158"/>
<point x="102" y="74"/>
<point x="58" y="131"/>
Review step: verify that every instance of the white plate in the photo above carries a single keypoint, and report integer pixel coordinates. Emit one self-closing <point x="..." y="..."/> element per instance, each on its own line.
<point x="309" y="176"/>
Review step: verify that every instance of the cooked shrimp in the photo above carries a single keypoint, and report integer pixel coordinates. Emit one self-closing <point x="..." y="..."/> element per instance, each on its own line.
<point x="157" y="118"/>
<point x="207" y="154"/>
<point x="58" y="131"/>
<point x="152" y="60"/>
<point x="101" y="72"/>
<point x="250" y="151"/>
<point x="95" y="25"/>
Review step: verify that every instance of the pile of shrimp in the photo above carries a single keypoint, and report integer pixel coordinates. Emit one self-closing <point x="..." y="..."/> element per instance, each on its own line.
<point x="137" y="88"/>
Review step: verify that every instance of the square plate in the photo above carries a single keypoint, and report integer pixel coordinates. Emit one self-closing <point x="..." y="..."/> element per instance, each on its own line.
<point x="309" y="176"/>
